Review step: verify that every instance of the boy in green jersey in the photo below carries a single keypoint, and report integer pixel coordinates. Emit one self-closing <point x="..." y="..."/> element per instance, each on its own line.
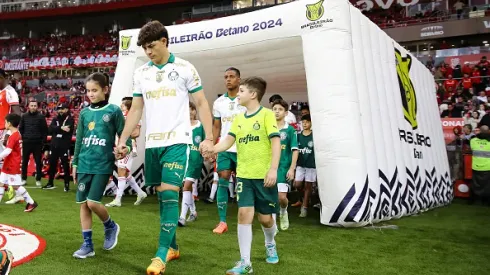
<point x="289" y="156"/>
<point x="258" y="152"/>
<point x="93" y="161"/>
<point x="306" y="170"/>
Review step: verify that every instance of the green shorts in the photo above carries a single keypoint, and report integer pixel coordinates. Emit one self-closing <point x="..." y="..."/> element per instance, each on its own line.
<point x="226" y="161"/>
<point x="91" y="187"/>
<point x="166" y="164"/>
<point x="252" y="193"/>
<point x="194" y="170"/>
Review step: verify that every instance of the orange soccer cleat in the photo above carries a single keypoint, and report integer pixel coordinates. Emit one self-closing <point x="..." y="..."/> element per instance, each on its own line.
<point x="221" y="228"/>
<point x="157" y="267"/>
<point x="172" y="254"/>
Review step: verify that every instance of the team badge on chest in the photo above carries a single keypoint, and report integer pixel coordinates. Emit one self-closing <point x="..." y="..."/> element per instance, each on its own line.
<point x="231" y="106"/>
<point x="159" y="76"/>
<point x="256" y="126"/>
<point x="173" y="75"/>
<point x="106" y="118"/>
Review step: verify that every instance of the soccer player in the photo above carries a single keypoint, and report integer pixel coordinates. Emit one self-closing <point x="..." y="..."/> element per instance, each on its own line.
<point x="258" y="151"/>
<point x="124" y="165"/>
<point x="194" y="168"/>
<point x="163" y="86"/>
<point x="225" y="109"/>
<point x="306" y="169"/>
<point x="289" y="157"/>
<point x="93" y="161"/>
<point x="11" y="171"/>
<point x="6" y="261"/>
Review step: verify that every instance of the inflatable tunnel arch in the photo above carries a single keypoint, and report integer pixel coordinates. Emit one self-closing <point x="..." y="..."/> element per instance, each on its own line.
<point x="379" y="146"/>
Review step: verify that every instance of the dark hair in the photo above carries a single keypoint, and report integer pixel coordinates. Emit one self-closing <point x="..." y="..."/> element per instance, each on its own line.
<point x="33" y="101"/>
<point x="237" y="71"/>
<point x="127" y="101"/>
<point x="306" y="117"/>
<point x="305" y="107"/>
<point x="152" y="31"/>
<point x="3" y="73"/>
<point x="13" y="119"/>
<point x="469" y="126"/>
<point x="192" y="105"/>
<point x="274" y="98"/>
<point x="102" y="80"/>
<point x="257" y="84"/>
<point x="281" y="102"/>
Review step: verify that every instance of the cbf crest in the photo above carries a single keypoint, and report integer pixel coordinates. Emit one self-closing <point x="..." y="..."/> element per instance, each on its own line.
<point x="91" y="125"/>
<point x="283" y="135"/>
<point x="159" y="76"/>
<point x="173" y="75"/>
<point x="256" y="125"/>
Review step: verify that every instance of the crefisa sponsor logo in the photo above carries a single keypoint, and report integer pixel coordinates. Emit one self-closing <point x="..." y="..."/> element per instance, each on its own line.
<point x="431" y="31"/>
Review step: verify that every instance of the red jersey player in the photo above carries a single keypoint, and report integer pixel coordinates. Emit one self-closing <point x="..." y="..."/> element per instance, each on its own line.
<point x="9" y="101"/>
<point x="10" y="174"/>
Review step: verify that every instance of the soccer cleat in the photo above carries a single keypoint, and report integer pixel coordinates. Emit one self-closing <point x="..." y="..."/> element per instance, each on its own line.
<point x="172" y="254"/>
<point x="7" y="261"/>
<point x="49" y="186"/>
<point x="111" y="235"/>
<point x="84" y="252"/>
<point x="114" y="203"/>
<point x="156" y="267"/>
<point x="67" y="187"/>
<point x="192" y="217"/>
<point x="39" y="184"/>
<point x="297" y="204"/>
<point x="16" y="199"/>
<point x="303" y="213"/>
<point x="271" y="251"/>
<point x="221" y="228"/>
<point x="196" y="198"/>
<point x="181" y="222"/>
<point x="30" y="207"/>
<point x="209" y="201"/>
<point x="284" y="221"/>
<point x="140" y="199"/>
<point x="23" y="182"/>
<point x="240" y="268"/>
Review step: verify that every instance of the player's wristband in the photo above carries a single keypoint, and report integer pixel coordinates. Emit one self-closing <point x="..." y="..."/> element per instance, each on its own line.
<point x="209" y="139"/>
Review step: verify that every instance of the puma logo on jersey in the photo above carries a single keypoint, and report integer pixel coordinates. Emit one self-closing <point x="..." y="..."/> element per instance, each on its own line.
<point x="94" y="140"/>
<point x="248" y="138"/>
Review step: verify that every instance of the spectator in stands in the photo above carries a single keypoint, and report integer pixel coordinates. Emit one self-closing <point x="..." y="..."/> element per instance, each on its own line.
<point x="34" y="130"/>
<point x="468" y="132"/>
<point x="61" y="128"/>
<point x="450" y="85"/>
<point x="458" y="6"/>
<point x="467" y="68"/>
<point x="482" y="98"/>
<point x="472" y="119"/>
<point x="483" y="66"/>
<point x="476" y="80"/>
<point x="438" y="74"/>
<point x="457" y="72"/>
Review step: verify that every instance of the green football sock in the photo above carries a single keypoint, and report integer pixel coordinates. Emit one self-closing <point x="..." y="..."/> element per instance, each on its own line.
<point x="173" y="244"/>
<point x="169" y="216"/>
<point x="1" y="255"/>
<point x="222" y="199"/>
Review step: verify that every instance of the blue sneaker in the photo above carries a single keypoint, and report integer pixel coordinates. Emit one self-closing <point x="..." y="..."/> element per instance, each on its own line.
<point x="85" y="251"/>
<point x="111" y="235"/>
<point x="240" y="268"/>
<point x="272" y="257"/>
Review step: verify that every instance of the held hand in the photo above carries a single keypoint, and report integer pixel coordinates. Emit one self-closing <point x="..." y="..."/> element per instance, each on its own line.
<point x="207" y="149"/>
<point x="290" y="174"/>
<point x="270" y="179"/>
<point x="74" y="175"/>
<point x="121" y="151"/>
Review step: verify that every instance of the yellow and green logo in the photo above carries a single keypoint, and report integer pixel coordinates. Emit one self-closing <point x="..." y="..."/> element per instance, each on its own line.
<point x="125" y="42"/>
<point x="407" y="91"/>
<point x="315" y="11"/>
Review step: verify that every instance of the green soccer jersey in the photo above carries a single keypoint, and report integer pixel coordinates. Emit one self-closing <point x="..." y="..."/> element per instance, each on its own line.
<point x="289" y="143"/>
<point x="306" y="156"/>
<point x="96" y="132"/>
<point x="195" y="158"/>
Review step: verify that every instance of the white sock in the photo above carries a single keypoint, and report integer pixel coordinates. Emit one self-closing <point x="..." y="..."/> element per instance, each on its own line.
<point x="121" y="185"/>
<point x="2" y="190"/>
<point x="245" y="241"/>
<point x="21" y="191"/>
<point x="269" y="234"/>
<point x="134" y="185"/>
<point x="186" y="201"/>
<point x="214" y="188"/>
<point x="274" y="216"/>
<point x="284" y="210"/>
<point x="194" y="189"/>
<point x="231" y="189"/>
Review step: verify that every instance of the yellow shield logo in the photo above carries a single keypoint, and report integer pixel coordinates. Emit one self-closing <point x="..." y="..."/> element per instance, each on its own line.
<point x="125" y="42"/>
<point x="315" y="11"/>
<point x="407" y="92"/>
<point x="91" y="125"/>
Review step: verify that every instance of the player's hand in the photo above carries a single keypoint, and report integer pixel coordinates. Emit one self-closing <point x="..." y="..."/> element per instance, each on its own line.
<point x="290" y="174"/>
<point x="271" y="178"/>
<point x="74" y="175"/>
<point x="121" y="151"/>
<point x="207" y="149"/>
<point x="65" y="128"/>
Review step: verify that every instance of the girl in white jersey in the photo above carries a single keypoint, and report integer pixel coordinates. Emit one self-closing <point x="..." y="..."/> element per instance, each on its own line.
<point x="124" y="166"/>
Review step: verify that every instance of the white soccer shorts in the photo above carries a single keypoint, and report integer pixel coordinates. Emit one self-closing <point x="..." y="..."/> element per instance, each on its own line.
<point x="305" y="174"/>
<point x="191" y="180"/>
<point x="12" y="180"/>
<point x="283" y="187"/>
<point x="125" y="163"/>
<point x="215" y="176"/>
